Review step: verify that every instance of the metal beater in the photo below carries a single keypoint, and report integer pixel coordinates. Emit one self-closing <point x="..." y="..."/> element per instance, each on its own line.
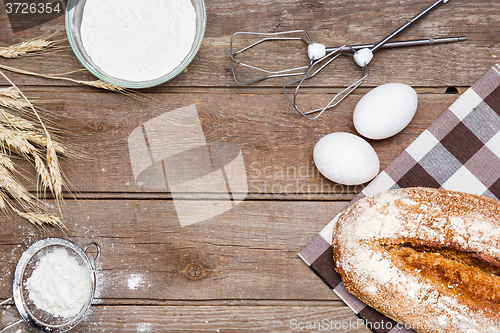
<point x="321" y="56"/>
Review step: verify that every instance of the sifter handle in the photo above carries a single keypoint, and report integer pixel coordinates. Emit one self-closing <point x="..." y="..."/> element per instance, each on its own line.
<point x="98" y="248"/>
<point x="11" y="324"/>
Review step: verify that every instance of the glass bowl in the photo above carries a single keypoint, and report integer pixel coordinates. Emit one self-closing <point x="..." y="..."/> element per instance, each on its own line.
<point x="74" y="14"/>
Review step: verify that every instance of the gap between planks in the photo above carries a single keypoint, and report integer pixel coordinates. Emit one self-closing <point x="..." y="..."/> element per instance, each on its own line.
<point x="168" y="196"/>
<point x="224" y="90"/>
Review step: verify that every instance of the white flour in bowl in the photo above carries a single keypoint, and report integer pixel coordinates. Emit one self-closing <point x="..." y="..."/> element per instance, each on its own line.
<point x="138" y="40"/>
<point x="59" y="285"/>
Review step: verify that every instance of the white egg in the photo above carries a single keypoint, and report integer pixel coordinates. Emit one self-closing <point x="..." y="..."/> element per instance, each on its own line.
<point x="385" y="110"/>
<point x="346" y="158"/>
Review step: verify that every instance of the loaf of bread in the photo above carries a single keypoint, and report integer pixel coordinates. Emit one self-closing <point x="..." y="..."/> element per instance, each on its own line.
<point x="424" y="257"/>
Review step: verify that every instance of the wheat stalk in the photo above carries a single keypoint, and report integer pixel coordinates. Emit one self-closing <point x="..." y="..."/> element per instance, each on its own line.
<point x="94" y="83"/>
<point x="18" y="135"/>
<point x="41" y="220"/>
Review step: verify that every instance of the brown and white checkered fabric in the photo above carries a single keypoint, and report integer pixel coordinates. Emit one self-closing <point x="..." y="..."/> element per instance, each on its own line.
<point x="459" y="151"/>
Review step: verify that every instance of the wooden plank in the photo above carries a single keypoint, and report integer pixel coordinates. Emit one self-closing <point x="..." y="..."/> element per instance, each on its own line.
<point x="335" y="23"/>
<point x="221" y="319"/>
<point x="276" y="142"/>
<point x="247" y="253"/>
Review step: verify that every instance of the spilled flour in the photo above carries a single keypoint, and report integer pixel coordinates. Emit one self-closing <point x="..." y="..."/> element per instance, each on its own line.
<point x="59" y="285"/>
<point x="135" y="281"/>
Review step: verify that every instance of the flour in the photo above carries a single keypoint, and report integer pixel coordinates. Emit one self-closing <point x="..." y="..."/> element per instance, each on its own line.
<point x="134" y="281"/>
<point x="138" y="40"/>
<point x="59" y="285"/>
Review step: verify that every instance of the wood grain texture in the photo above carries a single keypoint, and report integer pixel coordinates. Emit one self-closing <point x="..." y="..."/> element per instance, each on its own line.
<point x="247" y="253"/>
<point x="239" y="271"/>
<point x="219" y="319"/>
<point x="275" y="141"/>
<point x="333" y="22"/>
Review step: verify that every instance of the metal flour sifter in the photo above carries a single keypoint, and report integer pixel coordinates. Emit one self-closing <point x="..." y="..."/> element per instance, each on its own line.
<point x="29" y="313"/>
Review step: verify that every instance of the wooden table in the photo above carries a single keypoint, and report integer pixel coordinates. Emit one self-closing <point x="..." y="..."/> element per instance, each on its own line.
<point x="239" y="271"/>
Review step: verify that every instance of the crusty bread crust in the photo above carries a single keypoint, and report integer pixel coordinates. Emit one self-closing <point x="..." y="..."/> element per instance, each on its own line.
<point x="424" y="257"/>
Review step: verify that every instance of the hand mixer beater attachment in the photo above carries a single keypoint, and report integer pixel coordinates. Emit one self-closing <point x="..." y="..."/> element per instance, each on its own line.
<point x="320" y="57"/>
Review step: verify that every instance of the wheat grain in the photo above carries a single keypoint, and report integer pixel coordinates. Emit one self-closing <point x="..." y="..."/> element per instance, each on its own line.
<point x="15" y="142"/>
<point x="43" y="173"/>
<point x="25" y="47"/>
<point x="10" y="98"/>
<point x="102" y="85"/>
<point x="33" y="46"/>
<point x="7" y="162"/>
<point x="10" y="92"/>
<point x="41" y="220"/>
<point x="54" y="169"/>
<point x="14" y="189"/>
<point x="41" y="140"/>
<point x="3" y="205"/>
<point x="13" y="103"/>
<point x="14" y="121"/>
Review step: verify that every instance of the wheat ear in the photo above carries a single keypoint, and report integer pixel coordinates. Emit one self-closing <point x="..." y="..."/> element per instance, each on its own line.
<point x="41" y="140"/>
<point x="41" y="220"/>
<point x="25" y="47"/>
<point x="14" y="121"/>
<point x="14" y="141"/>
<point x="11" y="186"/>
<point x="101" y="85"/>
<point x="52" y="160"/>
<point x="6" y="162"/>
<point x="54" y="169"/>
<point x="10" y="98"/>
<point x="43" y="173"/>
<point x="13" y="103"/>
<point x="33" y="46"/>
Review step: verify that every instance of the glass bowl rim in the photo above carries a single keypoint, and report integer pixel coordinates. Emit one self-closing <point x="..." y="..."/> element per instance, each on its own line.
<point x="137" y="84"/>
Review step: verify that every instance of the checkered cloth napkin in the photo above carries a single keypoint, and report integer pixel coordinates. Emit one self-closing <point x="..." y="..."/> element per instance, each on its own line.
<point x="459" y="151"/>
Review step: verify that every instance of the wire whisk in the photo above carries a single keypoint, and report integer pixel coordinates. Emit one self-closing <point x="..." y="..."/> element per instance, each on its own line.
<point x="320" y="57"/>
